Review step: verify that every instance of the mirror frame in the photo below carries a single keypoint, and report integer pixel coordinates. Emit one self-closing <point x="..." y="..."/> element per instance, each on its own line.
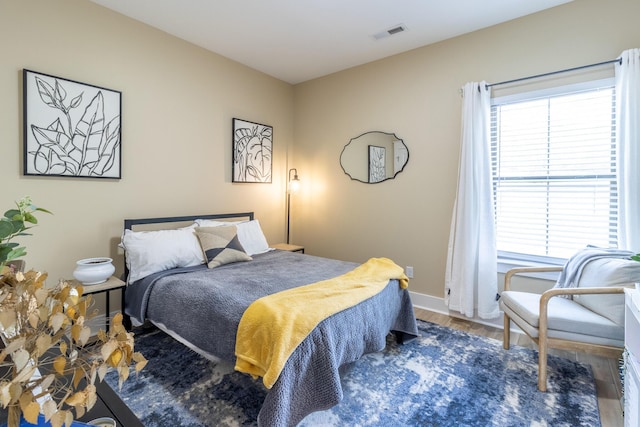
<point x="353" y="140"/>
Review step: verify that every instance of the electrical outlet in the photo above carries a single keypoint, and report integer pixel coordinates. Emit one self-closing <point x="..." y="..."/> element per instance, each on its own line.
<point x="409" y="271"/>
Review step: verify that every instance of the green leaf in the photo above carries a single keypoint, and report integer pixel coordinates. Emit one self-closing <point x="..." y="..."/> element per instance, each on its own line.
<point x="8" y="252"/>
<point x="12" y="213"/>
<point x="16" y="253"/>
<point x="18" y="226"/>
<point x="16" y="221"/>
<point x="44" y="210"/>
<point x="6" y="229"/>
<point x="28" y="217"/>
<point x="4" y="251"/>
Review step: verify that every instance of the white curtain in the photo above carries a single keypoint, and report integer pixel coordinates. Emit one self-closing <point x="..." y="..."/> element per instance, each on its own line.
<point x="628" y="132"/>
<point x="471" y="278"/>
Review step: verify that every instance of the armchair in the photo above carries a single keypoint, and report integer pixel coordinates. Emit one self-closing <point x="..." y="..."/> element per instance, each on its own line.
<point x="588" y="317"/>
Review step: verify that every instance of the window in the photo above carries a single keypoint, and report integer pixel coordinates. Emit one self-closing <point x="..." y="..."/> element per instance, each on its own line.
<point x="554" y="171"/>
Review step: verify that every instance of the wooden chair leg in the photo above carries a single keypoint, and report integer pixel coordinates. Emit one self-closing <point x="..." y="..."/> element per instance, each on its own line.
<point x="542" y="365"/>
<point x="506" y="337"/>
<point x="542" y="341"/>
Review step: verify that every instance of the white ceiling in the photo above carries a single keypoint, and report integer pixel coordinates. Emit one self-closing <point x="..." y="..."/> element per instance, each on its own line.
<point x="299" y="40"/>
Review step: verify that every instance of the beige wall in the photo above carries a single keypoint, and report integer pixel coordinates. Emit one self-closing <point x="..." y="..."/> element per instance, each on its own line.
<point x="178" y="102"/>
<point x="416" y="96"/>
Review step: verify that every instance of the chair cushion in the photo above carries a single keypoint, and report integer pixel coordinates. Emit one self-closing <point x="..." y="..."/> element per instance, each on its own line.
<point x="607" y="272"/>
<point x="563" y="315"/>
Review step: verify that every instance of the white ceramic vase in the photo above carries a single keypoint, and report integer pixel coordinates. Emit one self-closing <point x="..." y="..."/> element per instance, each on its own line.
<point x="91" y="271"/>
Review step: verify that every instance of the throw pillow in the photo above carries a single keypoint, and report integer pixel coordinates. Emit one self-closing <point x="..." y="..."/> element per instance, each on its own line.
<point x="608" y="272"/>
<point x="249" y="232"/>
<point x="221" y="245"/>
<point x="252" y="238"/>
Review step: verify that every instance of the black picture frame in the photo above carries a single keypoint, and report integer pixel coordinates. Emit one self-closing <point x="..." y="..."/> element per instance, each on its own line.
<point x="252" y="151"/>
<point x="377" y="162"/>
<point x="71" y="129"/>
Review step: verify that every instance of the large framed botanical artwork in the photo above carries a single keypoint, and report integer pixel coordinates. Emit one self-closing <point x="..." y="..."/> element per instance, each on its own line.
<point x="71" y="129"/>
<point x="252" y="149"/>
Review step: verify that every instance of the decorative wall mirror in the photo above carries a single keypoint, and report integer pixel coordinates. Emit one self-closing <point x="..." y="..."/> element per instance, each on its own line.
<point x="374" y="157"/>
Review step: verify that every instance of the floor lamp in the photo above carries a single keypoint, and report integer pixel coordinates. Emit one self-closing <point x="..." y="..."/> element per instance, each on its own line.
<point x="292" y="186"/>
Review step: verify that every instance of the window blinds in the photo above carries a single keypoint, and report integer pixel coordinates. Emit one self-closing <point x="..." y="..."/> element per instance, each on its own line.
<point x="554" y="172"/>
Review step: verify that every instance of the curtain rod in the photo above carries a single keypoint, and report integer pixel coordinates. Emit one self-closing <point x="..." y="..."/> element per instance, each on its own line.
<point x="619" y="60"/>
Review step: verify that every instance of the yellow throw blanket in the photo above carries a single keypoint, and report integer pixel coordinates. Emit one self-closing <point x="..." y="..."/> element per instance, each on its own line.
<point x="273" y="326"/>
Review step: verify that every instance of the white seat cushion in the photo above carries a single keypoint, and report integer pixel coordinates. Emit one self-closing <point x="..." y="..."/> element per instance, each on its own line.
<point x="564" y="317"/>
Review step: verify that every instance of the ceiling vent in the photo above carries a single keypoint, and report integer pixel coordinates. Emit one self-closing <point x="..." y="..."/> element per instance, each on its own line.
<point x="390" y="32"/>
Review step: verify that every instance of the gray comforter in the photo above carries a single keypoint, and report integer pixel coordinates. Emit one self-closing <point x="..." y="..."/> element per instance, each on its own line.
<point x="203" y="308"/>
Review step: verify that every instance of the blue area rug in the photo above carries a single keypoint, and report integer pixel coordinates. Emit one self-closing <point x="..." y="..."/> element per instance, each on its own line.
<point x="444" y="378"/>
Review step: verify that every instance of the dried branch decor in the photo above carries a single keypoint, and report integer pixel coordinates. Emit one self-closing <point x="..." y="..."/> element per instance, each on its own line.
<point x="48" y="364"/>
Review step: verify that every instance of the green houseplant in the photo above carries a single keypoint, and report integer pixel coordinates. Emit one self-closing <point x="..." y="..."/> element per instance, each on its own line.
<point x="15" y="223"/>
<point x="50" y="361"/>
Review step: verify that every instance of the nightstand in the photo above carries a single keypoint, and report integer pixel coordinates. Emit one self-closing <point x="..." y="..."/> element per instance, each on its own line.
<point x="111" y="284"/>
<point x="288" y="247"/>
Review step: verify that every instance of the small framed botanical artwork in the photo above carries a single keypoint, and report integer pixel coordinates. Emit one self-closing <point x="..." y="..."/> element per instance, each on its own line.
<point x="252" y="149"/>
<point x="377" y="163"/>
<point x="70" y="128"/>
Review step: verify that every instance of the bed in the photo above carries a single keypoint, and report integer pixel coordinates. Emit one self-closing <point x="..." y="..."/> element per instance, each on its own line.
<point x="202" y="307"/>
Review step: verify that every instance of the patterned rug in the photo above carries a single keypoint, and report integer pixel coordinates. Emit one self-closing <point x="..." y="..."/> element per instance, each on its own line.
<point x="443" y="378"/>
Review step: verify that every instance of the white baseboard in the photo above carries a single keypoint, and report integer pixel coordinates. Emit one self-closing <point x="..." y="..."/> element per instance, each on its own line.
<point x="428" y="302"/>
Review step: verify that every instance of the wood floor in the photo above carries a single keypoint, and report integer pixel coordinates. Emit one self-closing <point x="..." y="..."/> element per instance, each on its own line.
<point x="605" y="370"/>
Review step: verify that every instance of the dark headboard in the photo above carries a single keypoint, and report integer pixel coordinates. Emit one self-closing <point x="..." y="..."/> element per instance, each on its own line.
<point x="130" y="223"/>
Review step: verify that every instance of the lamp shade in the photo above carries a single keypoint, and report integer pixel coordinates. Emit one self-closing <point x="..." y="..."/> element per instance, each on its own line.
<point x="294" y="183"/>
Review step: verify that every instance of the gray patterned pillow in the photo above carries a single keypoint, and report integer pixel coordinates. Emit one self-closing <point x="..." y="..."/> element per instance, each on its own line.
<point x="221" y="245"/>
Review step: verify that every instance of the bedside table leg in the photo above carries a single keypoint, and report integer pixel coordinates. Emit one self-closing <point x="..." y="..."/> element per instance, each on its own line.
<point x="126" y="319"/>
<point x="108" y="323"/>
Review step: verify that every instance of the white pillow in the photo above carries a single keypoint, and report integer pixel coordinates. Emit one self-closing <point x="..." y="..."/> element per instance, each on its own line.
<point x="249" y="233"/>
<point x="252" y="238"/>
<point x="214" y="223"/>
<point x="148" y="252"/>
